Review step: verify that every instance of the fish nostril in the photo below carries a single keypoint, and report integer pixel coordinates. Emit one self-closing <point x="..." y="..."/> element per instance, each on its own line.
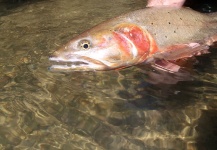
<point x="53" y="55"/>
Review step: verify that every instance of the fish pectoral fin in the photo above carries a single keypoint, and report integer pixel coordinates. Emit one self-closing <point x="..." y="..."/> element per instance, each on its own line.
<point x="166" y="66"/>
<point x="182" y="51"/>
<point x="173" y="66"/>
<point x="164" y="72"/>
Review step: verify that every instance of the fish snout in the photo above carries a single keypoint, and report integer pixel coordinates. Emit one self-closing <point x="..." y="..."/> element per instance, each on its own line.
<point x="57" y="53"/>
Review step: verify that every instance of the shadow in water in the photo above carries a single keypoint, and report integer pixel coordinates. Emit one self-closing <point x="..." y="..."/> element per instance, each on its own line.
<point x="207" y="130"/>
<point x="6" y="6"/>
<point x="205" y="6"/>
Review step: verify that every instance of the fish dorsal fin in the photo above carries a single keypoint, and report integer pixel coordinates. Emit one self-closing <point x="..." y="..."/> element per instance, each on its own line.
<point x="159" y="3"/>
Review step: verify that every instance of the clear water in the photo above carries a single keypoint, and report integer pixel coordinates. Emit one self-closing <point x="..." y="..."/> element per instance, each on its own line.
<point x="94" y="110"/>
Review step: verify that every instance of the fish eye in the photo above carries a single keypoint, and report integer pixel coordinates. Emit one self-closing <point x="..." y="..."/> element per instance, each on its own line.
<point x="84" y="44"/>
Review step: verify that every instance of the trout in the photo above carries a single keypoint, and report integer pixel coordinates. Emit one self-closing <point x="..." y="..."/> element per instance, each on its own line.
<point x="154" y="35"/>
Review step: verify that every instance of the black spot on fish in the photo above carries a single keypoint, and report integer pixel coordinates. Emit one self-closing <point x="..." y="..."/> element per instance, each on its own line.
<point x="169" y="22"/>
<point x="152" y="23"/>
<point x="180" y="18"/>
<point x="174" y="31"/>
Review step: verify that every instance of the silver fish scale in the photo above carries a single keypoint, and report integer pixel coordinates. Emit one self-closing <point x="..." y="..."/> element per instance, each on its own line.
<point x="170" y="26"/>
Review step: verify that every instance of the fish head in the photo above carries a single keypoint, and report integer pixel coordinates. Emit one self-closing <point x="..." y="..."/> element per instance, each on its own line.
<point x="103" y="48"/>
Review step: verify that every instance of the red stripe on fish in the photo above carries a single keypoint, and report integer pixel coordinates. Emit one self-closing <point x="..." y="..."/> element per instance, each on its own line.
<point x="133" y="41"/>
<point x="123" y="44"/>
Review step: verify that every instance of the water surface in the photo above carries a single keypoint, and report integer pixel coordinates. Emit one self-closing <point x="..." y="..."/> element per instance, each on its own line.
<point x="94" y="110"/>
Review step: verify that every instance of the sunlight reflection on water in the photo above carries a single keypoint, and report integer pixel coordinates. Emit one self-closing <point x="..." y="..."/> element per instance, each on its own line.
<point x="92" y="110"/>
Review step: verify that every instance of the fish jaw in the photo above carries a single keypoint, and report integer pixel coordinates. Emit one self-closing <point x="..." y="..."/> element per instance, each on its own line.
<point x="76" y="64"/>
<point x="115" y="47"/>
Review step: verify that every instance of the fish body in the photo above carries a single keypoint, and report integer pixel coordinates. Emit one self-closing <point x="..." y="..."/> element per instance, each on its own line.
<point x="141" y="36"/>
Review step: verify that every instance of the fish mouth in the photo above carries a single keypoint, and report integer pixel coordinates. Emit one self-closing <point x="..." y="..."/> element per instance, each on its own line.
<point x="81" y="63"/>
